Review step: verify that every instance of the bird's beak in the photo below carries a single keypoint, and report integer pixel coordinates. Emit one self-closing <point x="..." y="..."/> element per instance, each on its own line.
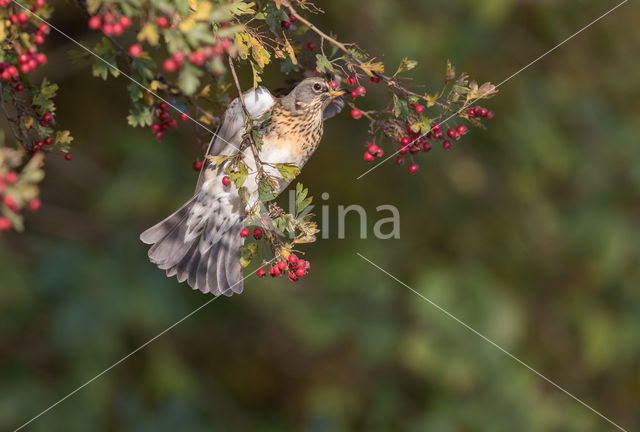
<point x="336" y="93"/>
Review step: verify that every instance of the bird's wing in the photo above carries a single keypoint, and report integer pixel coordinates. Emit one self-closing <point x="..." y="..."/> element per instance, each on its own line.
<point x="257" y="102"/>
<point x="334" y="108"/>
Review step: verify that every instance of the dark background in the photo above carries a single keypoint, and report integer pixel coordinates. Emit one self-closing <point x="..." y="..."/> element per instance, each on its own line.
<point x="528" y="232"/>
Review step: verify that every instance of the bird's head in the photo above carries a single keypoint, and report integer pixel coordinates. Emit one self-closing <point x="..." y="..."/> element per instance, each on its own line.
<point x="314" y="93"/>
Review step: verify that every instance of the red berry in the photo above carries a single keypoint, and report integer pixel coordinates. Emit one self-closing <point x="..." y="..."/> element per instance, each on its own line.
<point x="23" y="17"/>
<point x="462" y="129"/>
<point x="435" y="127"/>
<point x="197" y="58"/>
<point x="23" y="58"/>
<point x="261" y="272"/>
<point x="197" y="165"/>
<point x="399" y="160"/>
<point x="108" y="17"/>
<point x="135" y="50"/>
<point x="159" y="135"/>
<point x="419" y="108"/>
<point x="282" y="265"/>
<point x="311" y="46"/>
<point x="405" y="140"/>
<point x="403" y="149"/>
<point x="39" y="39"/>
<point x="20" y="87"/>
<point x="170" y="65"/>
<point x="47" y="117"/>
<point x="413" y="168"/>
<point x="333" y="84"/>
<point x="125" y="21"/>
<point x="361" y="90"/>
<point x="226" y="181"/>
<point x="34" y="204"/>
<point x="41" y="58"/>
<point x="40" y="3"/>
<point x="163" y="105"/>
<point x="244" y="232"/>
<point x="375" y="79"/>
<point x="32" y="64"/>
<point x="471" y="112"/>
<point x="5" y="223"/>
<point x="293" y="277"/>
<point x="117" y="29"/>
<point x="11" y="177"/>
<point x="446" y="145"/>
<point x="369" y="157"/>
<point x="300" y="271"/>
<point x="292" y="18"/>
<point x="285" y="24"/>
<point x="373" y="149"/>
<point x="484" y="112"/>
<point x="426" y="146"/>
<point x="293" y="259"/>
<point x="351" y="80"/>
<point x="478" y="110"/>
<point x="184" y="116"/>
<point x="178" y="56"/>
<point x="107" y="29"/>
<point x="490" y="114"/>
<point x="274" y="271"/>
<point x="155" y="127"/>
<point x="48" y="140"/>
<point x="356" y="113"/>
<point x="354" y="94"/>
<point x="162" y="21"/>
<point x="68" y="156"/>
<point x="257" y="233"/>
<point x="9" y="201"/>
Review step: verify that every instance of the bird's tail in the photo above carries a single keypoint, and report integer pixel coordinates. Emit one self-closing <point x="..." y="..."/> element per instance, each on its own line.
<point x="199" y="244"/>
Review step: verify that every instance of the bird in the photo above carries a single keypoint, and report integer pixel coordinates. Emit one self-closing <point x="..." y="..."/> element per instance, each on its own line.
<point x="200" y="243"/>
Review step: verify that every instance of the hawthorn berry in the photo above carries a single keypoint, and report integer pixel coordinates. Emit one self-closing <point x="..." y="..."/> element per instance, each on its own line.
<point x="159" y="135"/>
<point x="257" y="233"/>
<point x="162" y="21"/>
<point x="419" y="108"/>
<point x="351" y="80"/>
<point x="244" y="232"/>
<point x="261" y="272"/>
<point x="41" y="58"/>
<point x="405" y="140"/>
<point x="413" y="168"/>
<point x="197" y="165"/>
<point x="356" y="113"/>
<point x="178" y="56"/>
<point x="226" y="181"/>
<point x="11" y="177"/>
<point x="354" y="94"/>
<point x="426" y="146"/>
<point x="274" y="271"/>
<point x="34" y="204"/>
<point x="484" y="112"/>
<point x="361" y="90"/>
<point x="300" y="271"/>
<point x="68" y="156"/>
<point x="399" y="160"/>
<point x="373" y="149"/>
<point x="452" y="133"/>
<point x="19" y="87"/>
<point x="5" y="223"/>
<point x="292" y="18"/>
<point x="462" y="129"/>
<point x="184" y="116"/>
<point x="285" y="24"/>
<point x="282" y="265"/>
<point x="170" y="65"/>
<point x="292" y="276"/>
<point x="293" y="259"/>
<point x="490" y="114"/>
<point x="125" y="21"/>
<point x="368" y="157"/>
<point x="375" y="79"/>
<point x="471" y="112"/>
<point x="446" y="145"/>
<point x="135" y="50"/>
<point x="163" y="105"/>
<point x="435" y="127"/>
<point x="311" y="46"/>
<point x="333" y="84"/>
<point x="197" y="58"/>
<point x="48" y="140"/>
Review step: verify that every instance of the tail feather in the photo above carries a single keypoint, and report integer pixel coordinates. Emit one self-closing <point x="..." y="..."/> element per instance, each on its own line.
<point x="206" y="265"/>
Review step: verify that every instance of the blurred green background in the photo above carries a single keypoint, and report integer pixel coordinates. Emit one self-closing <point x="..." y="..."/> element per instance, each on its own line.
<point x="528" y="231"/>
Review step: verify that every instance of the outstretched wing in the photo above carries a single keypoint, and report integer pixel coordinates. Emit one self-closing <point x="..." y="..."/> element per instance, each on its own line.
<point x="229" y="132"/>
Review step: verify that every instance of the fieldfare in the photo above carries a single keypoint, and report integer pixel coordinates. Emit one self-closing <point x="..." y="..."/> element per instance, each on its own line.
<point x="200" y="242"/>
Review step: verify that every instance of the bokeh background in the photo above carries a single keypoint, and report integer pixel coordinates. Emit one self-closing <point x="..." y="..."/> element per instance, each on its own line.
<point x="529" y="232"/>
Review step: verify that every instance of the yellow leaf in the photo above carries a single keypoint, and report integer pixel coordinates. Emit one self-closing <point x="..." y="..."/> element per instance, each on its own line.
<point x="292" y="54"/>
<point x="431" y="99"/>
<point x="3" y="32"/>
<point x="149" y="33"/>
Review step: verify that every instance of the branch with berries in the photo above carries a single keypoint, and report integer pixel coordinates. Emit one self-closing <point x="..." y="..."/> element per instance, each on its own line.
<point x="181" y="58"/>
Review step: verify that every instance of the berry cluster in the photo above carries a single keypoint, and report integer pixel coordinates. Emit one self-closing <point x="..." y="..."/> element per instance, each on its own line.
<point x="372" y="152"/>
<point x="112" y="24"/>
<point x="197" y="58"/>
<point x="8" y="200"/>
<point x="287" y="24"/>
<point x="41" y="143"/>
<point x="163" y="120"/>
<point x="295" y="266"/>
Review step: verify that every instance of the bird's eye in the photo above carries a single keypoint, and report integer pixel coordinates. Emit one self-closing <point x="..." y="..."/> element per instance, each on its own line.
<point x="317" y="87"/>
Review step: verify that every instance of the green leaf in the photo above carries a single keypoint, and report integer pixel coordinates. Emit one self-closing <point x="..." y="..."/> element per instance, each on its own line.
<point x="239" y="175"/>
<point x="406" y="65"/>
<point x="400" y="107"/>
<point x="47" y="92"/>
<point x="288" y="170"/>
<point x="139" y="115"/>
<point x="248" y="252"/>
<point x="189" y="79"/>
<point x="323" y="64"/>
<point x="266" y="189"/>
<point x="107" y="65"/>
